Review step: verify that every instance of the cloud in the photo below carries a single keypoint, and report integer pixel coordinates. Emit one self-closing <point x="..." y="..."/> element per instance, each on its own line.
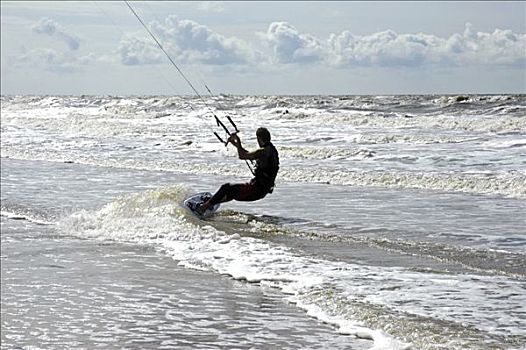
<point x="289" y="46"/>
<point x="390" y="49"/>
<point x="53" y="61"/>
<point x="211" y="6"/>
<point x="385" y="48"/>
<point x="53" y="29"/>
<point x="58" y="61"/>
<point x="135" y="51"/>
<point x="499" y="47"/>
<point x="187" y="42"/>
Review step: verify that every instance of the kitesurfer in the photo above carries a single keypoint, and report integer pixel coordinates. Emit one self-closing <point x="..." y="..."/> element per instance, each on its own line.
<point x="267" y="166"/>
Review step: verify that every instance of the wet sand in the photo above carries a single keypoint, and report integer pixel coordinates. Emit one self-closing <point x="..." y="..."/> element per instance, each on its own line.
<point x="65" y="292"/>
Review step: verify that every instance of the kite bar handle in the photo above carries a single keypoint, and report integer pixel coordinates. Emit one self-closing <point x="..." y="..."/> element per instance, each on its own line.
<point x="220" y="139"/>
<point x="232" y="122"/>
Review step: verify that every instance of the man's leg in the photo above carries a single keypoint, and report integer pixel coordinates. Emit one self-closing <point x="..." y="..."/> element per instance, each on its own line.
<point x="226" y="193"/>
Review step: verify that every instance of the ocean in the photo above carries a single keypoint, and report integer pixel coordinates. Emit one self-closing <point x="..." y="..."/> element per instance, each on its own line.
<point x="397" y="222"/>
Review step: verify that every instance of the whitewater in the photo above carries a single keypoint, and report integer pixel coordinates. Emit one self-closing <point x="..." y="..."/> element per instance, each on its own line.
<point x="397" y="222"/>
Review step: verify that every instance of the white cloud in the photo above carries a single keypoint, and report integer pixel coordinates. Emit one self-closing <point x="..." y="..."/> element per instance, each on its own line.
<point x="52" y="28"/>
<point x="53" y="61"/>
<point x="48" y="59"/>
<point x="499" y="47"/>
<point x="289" y="46"/>
<point x="187" y="42"/>
<point x="134" y="51"/>
<point x="385" y="48"/>
<point x="390" y="49"/>
<point x="211" y="6"/>
<point x="192" y="43"/>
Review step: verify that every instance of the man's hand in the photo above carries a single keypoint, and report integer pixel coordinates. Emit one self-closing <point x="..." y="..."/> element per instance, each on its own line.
<point x="234" y="139"/>
<point x="241" y="152"/>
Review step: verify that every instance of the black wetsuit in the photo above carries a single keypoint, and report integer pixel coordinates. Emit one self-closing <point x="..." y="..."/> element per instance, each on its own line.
<point x="267" y="166"/>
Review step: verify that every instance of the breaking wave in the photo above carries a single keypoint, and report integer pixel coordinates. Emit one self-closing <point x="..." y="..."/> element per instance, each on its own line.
<point x="371" y="302"/>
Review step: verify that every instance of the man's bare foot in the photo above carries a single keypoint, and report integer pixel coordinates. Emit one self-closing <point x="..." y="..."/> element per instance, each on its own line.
<point x="201" y="208"/>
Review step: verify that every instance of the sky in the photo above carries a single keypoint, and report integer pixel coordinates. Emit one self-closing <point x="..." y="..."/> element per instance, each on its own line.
<point x="263" y="47"/>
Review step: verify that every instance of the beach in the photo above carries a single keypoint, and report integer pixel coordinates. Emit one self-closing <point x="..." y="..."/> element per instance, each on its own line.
<point x="397" y="222"/>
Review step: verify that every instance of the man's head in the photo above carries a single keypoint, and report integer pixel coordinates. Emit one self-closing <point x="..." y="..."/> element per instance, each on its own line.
<point x="263" y="136"/>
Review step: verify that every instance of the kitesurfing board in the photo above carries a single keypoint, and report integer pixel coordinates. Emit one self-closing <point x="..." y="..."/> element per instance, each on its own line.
<point x="191" y="203"/>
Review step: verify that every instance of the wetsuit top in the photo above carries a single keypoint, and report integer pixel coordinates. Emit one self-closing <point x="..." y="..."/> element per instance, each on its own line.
<point x="267" y="166"/>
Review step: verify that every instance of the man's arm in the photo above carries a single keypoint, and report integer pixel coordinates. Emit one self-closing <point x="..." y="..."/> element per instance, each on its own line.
<point x="242" y="152"/>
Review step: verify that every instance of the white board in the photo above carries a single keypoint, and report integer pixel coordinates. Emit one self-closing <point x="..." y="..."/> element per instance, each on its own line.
<point x="191" y="203"/>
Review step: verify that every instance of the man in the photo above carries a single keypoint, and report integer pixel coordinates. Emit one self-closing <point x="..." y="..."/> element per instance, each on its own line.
<point x="267" y="166"/>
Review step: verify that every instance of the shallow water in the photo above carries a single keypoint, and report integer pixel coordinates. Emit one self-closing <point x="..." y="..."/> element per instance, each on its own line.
<point x="396" y="222"/>
<point x="66" y="292"/>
